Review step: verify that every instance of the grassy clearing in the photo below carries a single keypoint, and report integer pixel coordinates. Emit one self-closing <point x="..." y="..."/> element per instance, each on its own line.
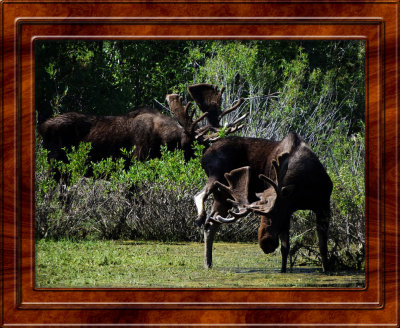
<point x="154" y="264"/>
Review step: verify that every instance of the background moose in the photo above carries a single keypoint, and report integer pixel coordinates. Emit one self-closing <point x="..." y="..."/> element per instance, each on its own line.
<point x="144" y="129"/>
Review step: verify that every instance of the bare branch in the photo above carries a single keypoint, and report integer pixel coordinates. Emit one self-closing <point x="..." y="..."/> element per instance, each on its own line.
<point x="238" y="103"/>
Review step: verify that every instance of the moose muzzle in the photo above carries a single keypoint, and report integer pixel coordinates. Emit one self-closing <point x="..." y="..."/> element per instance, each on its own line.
<point x="268" y="244"/>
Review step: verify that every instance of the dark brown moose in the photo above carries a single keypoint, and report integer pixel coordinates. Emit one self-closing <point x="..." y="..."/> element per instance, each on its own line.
<point x="145" y="128"/>
<point x="270" y="178"/>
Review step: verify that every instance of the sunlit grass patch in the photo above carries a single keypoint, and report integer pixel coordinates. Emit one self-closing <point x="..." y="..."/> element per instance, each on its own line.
<point x="155" y="264"/>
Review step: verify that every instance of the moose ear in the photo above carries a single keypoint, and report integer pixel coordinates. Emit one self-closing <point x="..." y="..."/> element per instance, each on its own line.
<point x="289" y="143"/>
<point x="287" y="191"/>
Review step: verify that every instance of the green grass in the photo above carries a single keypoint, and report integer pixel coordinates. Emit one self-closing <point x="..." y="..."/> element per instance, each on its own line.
<point x="155" y="264"/>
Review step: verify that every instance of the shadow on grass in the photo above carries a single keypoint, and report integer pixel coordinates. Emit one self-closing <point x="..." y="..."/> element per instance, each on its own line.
<point x="309" y="277"/>
<point x="293" y="271"/>
<point x="271" y="270"/>
<point x="146" y="242"/>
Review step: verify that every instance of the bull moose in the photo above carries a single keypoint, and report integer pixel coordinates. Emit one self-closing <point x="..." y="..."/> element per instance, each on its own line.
<point x="270" y="178"/>
<point x="145" y="128"/>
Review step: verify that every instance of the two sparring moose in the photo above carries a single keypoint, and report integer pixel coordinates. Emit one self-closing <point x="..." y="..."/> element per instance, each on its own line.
<point x="269" y="178"/>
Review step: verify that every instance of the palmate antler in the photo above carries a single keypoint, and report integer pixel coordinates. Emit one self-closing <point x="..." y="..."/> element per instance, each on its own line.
<point x="209" y="100"/>
<point x="238" y="186"/>
<point x="182" y="114"/>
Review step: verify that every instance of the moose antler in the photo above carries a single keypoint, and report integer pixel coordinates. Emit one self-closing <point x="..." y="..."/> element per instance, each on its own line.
<point x="230" y="128"/>
<point x="238" y="181"/>
<point x="238" y="188"/>
<point x="209" y="99"/>
<point x="181" y="112"/>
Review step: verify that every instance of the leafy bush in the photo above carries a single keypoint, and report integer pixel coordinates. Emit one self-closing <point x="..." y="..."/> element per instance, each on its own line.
<point x="150" y="200"/>
<point x="111" y="203"/>
<point x="77" y="166"/>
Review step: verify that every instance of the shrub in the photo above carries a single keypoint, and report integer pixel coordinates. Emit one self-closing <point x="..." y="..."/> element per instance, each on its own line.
<point x="150" y="200"/>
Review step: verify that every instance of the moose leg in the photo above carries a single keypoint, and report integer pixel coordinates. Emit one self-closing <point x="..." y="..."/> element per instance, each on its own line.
<point x="285" y="246"/>
<point x="322" y="230"/>
<point x="210" y="229"/>
<point x="220" y="207"/>
<point x="199" y="201"/>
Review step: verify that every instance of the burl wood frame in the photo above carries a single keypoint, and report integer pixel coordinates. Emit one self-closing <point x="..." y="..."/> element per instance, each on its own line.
<point x="23" y="22"/>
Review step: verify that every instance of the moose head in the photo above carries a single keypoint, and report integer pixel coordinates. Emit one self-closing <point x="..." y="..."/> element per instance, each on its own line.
<point x="270" y="204"/>
<point x="208" y="98"/>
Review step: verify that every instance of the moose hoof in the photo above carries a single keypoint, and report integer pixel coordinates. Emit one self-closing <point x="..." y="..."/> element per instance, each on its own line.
<point x="326" y="266"/>
<point x="208" y="266"/>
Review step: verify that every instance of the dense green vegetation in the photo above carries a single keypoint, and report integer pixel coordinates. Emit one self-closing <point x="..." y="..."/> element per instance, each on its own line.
<point x="315" y="88"/>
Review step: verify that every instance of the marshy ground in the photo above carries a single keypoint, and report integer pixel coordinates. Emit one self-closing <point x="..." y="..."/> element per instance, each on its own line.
<point x="156" y="264"/>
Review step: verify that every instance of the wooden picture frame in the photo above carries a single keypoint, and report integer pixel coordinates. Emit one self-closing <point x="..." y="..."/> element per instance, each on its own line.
<point x="23" y="22"/>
